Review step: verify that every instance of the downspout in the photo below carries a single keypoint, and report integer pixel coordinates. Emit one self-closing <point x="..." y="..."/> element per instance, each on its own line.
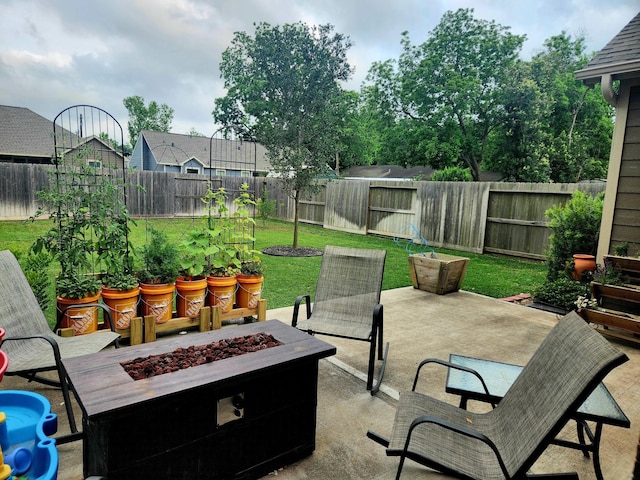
<point x="606" y="84"/>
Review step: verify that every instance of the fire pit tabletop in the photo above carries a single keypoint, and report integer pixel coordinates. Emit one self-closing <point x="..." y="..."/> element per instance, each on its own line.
<point x="102" y="385"/>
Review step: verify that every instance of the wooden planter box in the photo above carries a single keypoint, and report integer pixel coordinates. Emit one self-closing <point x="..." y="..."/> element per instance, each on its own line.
<point x="628" y="266"/>
<point x="619" y="313"/>
<point x="614" y="324"/>
<point x="617" y="297"/>
<point x="441" y="275"/>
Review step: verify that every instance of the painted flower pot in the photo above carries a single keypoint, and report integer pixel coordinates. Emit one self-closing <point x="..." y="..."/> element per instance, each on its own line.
<point x="190" y="296"/>
<point x="123" y="305"/>
<point x="157" y="300"/>
<point x="221" y="291"/>
<point x="249" y="290"/>
<point x="83" y="319"/>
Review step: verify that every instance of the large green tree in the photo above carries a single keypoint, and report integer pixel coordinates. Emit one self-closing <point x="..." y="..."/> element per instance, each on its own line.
<point x="152" y="117"/>
<point x="578" y="119"/>
<point x="455" y="80"/>
<point x="283" y="90"/>
<point x="519" y="142"/>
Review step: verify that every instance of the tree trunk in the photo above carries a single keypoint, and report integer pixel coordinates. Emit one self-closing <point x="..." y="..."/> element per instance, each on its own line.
<point x="574" y="115"/>
<point x="296" y="216"/>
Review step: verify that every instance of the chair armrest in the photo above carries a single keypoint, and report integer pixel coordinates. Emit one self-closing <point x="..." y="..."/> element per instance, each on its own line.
<point x="296" y="308"/>
<point x="378" y="313"/>
<point x="450" y="365"/>
<point x="51" y="341"/>
<point x="460" y="429"/>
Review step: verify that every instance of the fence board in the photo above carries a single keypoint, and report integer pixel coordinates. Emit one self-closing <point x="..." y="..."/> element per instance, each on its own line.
<point x="347" y="205"/>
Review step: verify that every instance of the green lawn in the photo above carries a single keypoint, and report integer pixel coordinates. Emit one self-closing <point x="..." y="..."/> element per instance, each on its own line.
<point x="286" y="277"/>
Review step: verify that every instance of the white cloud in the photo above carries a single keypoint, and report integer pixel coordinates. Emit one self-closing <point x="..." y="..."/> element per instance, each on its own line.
<point x="23" y="59"/>
<point x="57" y="54"/>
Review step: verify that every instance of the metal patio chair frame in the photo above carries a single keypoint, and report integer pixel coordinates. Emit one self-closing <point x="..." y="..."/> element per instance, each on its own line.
<point x="30" y="344"/>
<point x="347" y="302"/>
<point x="506" y="441"/>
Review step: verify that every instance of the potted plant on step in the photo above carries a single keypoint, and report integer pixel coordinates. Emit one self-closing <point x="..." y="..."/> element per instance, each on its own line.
<point x="77" y="294"/>
<point x="251" y="276"/>
<point x="222" y="262"/>
<point x="158" y="275"/>
<point x="191" y="285"/>
<point x="250" y="280"/>
<point x="75" y="204"/>
<point x="120" y="288"/>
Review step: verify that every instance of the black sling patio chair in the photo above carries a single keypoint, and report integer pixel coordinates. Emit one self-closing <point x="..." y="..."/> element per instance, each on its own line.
<point x="347" y="302"/>
<point x="30" y="344"/>
<point x="505" y="442"/>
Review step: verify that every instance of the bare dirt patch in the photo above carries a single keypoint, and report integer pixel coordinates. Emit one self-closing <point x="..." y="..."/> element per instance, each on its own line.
<point x="287" y="251"/>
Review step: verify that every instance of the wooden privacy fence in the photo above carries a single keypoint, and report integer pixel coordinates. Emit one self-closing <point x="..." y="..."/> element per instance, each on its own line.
<point x="506" y="218"/>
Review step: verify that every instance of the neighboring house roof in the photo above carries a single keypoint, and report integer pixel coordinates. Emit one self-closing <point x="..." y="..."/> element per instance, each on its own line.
<point x="397" y="172"/>
<point x="620" y="58"/>
<point x="25" y="133"/>
<point x="176" y="149"/>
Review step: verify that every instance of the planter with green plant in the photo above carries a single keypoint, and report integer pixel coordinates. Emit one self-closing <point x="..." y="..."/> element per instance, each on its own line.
<point x="223" y="263"/>
<point x="559" y="295"/>
<point x="250" y="281"/>
<point x="575" y="229"/>
<point x="76" y="204"/>
<point x="251" y="276"/>
<point x="191" y="285"/>
<point x="157" y="276"/>
<point x="120" y="288"/>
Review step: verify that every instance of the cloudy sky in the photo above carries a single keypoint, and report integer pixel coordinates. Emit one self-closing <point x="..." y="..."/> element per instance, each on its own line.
<point x="55" y="54"/>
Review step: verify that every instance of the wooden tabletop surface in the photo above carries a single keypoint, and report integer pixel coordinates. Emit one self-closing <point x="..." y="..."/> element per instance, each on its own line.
<point x="103" y="386"/>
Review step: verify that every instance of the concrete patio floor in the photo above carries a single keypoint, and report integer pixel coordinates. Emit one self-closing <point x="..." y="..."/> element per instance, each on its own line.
<point x="419" y="325"/>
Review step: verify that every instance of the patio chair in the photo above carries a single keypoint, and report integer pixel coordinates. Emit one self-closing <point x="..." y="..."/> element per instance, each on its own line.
<point x="506" y="441"/>
<point x="29" y="343"/>
<point x="347" y="302"/>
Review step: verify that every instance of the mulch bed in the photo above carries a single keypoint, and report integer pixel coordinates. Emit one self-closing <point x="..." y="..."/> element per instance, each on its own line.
<point x="181" y="358"/>
<point x="287" y="251"/>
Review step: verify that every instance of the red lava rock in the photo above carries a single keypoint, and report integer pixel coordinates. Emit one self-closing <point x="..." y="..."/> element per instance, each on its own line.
<point x="181" y="358"/>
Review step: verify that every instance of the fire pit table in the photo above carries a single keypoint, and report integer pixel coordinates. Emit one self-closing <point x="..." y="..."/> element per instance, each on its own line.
<point x="240" y="417"/>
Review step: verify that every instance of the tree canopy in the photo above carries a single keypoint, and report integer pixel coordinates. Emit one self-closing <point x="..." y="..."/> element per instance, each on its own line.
<point x="152" y="117"/>
<point x="464" y="98"/>
<point x="283" y="91"/>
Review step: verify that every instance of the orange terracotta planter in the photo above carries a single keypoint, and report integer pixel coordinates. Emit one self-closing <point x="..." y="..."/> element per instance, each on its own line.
<point x="249" y="290"/>
<point x="157" y="300"/>
<point x="190" y="296"/>
<point x="220" y="292"/>
<point x="123" y="305"/>
<point x="583" y="262"/>
<point x="83" y="320"/>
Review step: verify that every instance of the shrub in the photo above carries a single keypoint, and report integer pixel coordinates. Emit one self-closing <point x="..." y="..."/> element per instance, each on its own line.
<point x="562" y="293"/>
<point x="36" y="269"/>
<point x="451" y="174"/>
<point x="575" y="229"/>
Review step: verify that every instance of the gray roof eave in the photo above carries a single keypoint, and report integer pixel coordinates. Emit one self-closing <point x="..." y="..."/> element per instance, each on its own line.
<point x="618" y="71"/>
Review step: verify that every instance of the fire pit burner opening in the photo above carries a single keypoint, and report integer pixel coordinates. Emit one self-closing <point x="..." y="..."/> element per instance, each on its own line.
<point x="181" y="358"/>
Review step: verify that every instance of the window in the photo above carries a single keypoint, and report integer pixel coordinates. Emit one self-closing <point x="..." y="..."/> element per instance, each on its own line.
<point x="193" y="170"/>
<point x="221" y="172"/>
<point x="245" y="173"/>
<point x="94" y="163"/>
